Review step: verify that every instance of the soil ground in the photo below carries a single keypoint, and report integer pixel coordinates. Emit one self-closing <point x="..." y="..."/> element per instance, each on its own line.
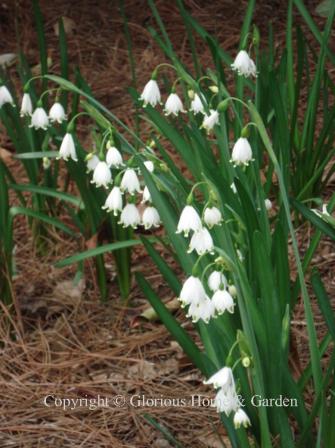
<point x="72" y="346"/>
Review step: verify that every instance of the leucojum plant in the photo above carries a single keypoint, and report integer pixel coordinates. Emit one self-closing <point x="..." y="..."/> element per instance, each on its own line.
<point x="227" y="222"/>
<point x="35" y="128"/>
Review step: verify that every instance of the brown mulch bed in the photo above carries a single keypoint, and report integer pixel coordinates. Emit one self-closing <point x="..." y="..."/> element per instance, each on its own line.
<point x="72" y="346"/>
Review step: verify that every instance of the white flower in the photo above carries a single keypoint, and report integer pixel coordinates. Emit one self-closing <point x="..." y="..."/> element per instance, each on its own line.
<point x="244" y="65"/>
<point x="197" y="104"/>
<point x="130" y="182"/>
<point x="26" y="105"/>
<point x="227" y="401"/>
<point x="210" y="120"/>
<point x="203" y="310"/>
<point x="114" y="158"/>
<point x="92" y="162"/>
<point x="268" y="204"/>
<point x="192" y="292"/>
<point x="212" y="216"/>
<point x="67" y="148"/>
<point x="5" y="96"/>
<point x="201" y="242"/>
<point x="216" y="280"/>
<point x="146" y="196"/>
<point x="223" y="378"/>
<point x="241" y="419"/>
<point x="57" y="113"/>
<point x="223" y="301"/>
<point x="189" y="220"/>
<point x="114" y="201"/>
<point x="39" y="119"/>
<point x="173" y="105"/>
<point x="149" y="166"/>
<point x="151" y="94"/>
<point x="233" y="187"/>
<point x="130" y="216"/>
<point x="102" y="175"/>
<point x="151" y="218"/>
<point x="242" y="153"/>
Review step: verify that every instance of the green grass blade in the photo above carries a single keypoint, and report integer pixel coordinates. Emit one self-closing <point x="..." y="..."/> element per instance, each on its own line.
<point x="163" y="267"/>
<point x="96" y="251"/>
<point x="324" y="302"/>
<point x="318" y="222"/>
<point x="14" y="211"/>
<point x="49" y="192"/>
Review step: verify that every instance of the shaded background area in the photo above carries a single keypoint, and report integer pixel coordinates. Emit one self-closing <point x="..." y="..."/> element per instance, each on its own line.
<point x="72" y="345"/>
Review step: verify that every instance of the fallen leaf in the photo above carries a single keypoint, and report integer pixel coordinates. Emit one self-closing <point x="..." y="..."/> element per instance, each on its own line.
<point x="7" y="59"/>
<point x="151" y="315"/>
<point x="68" y="24"/>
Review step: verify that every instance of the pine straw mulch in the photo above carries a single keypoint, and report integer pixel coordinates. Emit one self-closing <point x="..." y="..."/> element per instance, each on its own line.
<point x="71" y="346"/>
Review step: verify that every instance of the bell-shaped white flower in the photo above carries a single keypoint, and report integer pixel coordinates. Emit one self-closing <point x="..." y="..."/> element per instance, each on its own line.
<point x="227" y="401"/>
<point x="151" y="94"/>
<point x="149" y="166"/>
<point x="26" y="105"/>
<point x="241" y="419"/>
<point x="233" y="187"/>
<point x="244" y="65"/>
<point x="91" y="162"/>
<point x="201" y="242"/>
<point x="146" y="196"/>
<point x="114" y="201"/>
<point x="130" y="182"/>
<point x="114" y="157"/>
<point x="197" y="104"/>
<point x="57" y="113"/>
<point x="39" y="119"/>
<point x="189" y="220"/>
<point x="130" y="216"/>
<point x="5" y="96"/>
<point x="192" y="292"/>
<point x="203" y="310"/>
<point x="268" y="204"/>
<point x="223" y="301"/>
<point x="67" y="148"/>
<point x="212" y="217"/>
<point x="102" y="175"/>
<point x="223" y="378"/>
<point x="216" y="280"/>
<point x="173" y="105"/>
<point x="210" y="120"/>
<point x="232" y="290"/>
<point x="242" y="153"/>
<point x="151" y="218"/>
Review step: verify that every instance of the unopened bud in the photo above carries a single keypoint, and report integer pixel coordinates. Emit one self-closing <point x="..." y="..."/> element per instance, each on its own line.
<point x="214" y="89"/>
<point x="232" y="290"/>
<point x="46" y="163"/>
<point x="190" y="94"/>
<point x="246" y="362"/>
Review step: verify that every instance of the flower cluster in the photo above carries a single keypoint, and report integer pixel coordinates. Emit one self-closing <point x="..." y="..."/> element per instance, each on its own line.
<point x="151" y="95"/>
<point x="226" y="399"/>
<point x="122" y="197"/>
<point x="40" y="119"/>
<point x="200" y="306"/>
